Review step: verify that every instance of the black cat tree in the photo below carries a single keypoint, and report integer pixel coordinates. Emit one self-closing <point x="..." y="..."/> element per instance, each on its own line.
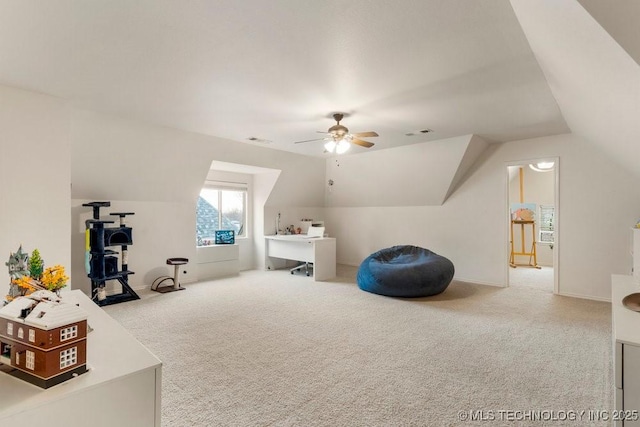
<point x="102" y="264"/>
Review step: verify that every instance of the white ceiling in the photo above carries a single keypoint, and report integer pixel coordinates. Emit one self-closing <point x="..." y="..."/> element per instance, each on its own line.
<point x="276" y="70"/>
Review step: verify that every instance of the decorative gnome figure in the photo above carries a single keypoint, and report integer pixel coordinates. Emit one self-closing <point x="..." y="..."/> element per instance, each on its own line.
<point x="28" y="275"/>
<point x="18" y="267"/>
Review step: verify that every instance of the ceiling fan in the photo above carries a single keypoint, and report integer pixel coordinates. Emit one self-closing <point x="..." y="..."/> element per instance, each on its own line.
<point x="339" y="139"/>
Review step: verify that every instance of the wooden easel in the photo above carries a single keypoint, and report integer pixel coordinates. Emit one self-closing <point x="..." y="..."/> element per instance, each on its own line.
<point x="533" y="259"/>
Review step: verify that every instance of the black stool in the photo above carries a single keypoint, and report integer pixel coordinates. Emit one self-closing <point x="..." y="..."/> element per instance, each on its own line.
<point x="170" y="283"/>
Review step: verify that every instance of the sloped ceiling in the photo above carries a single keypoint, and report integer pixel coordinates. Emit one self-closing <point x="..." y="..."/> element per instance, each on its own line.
<point x="276" y="70"/>
<point x="620" y="20"/>
<point x="593" y="78"/>
<point x="422" y="174"/>
<point x="502" y="70"/>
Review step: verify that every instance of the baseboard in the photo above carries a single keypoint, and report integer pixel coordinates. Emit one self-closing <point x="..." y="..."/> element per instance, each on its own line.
<point x="477" y="282"/>
<point x="589" y="297"/>
<point x="216" y="277"/>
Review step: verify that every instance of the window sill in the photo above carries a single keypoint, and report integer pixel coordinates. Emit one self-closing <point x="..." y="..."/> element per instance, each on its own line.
<point x="221" y="244"/>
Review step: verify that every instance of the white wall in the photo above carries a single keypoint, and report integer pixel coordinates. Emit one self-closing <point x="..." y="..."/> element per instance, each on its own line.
<point x="263" y="218"/>
<point x="598" y="205"/>
<point x="155" y="227"/>
<point x="413" y="175"/>
<point x="159" y="172"/>
<point x="34" y="178"/>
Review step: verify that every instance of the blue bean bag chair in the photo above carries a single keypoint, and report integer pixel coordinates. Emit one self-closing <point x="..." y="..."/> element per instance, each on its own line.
<point x="405" y="271"/>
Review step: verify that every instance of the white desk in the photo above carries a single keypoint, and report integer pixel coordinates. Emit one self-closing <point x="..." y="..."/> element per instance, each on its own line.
<point x="321" y="251"/>
<point x="122" y="387"/>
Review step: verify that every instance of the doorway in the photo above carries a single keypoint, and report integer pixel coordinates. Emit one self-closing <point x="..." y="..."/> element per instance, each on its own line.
<point x="532" y="222"/>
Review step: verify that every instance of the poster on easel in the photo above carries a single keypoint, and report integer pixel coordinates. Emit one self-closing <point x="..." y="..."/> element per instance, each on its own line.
<point x="523" y="211"/>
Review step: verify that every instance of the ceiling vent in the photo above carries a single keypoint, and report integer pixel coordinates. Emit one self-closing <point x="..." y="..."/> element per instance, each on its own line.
<point x="418" y="132"/>
<point x="254" y="139"/>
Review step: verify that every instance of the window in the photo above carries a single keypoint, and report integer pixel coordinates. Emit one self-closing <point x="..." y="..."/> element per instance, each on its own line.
<point x="9" y="328"/>
<point x="68" y="357"/>
<point x="32" y="335"/>
<point x="68" y="333"/>
<point x="20" y="333"/>
<point x="17" y="359"/>
<point x="547" y="225"/>
<point x="221" y="206"/>
<point x="30" y="362"/>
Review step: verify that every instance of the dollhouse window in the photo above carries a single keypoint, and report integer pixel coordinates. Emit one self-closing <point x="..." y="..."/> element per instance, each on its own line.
<point x="17" y="358"/>
<point x="9" y="328"/>
<point x="68" y="333"/>
<point x="32" y="335"/>
<point x="20" y="333"/>
<point x="68" y="357"/>
<point x="30" y="360"/>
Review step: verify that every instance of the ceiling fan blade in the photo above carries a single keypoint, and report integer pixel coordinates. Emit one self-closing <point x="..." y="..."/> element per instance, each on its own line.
<point x="360" y="142"/>
<point x="309" y="140"/>
<point x="370" y="134"/>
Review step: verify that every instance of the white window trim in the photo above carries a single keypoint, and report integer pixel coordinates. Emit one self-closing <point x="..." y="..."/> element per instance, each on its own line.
<point x="226" y="185"/>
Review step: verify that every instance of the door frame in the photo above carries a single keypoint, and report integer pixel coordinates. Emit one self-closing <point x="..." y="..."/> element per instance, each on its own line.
<point x="556" y="198"/>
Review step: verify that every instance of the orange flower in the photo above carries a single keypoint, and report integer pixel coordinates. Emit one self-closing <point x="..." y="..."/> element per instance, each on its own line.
<point x="23" y="282"/>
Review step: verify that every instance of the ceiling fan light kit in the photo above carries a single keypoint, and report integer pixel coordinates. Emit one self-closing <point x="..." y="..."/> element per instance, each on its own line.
<point x="330" y="146"/>
<point x="339" y="138"/>
<point x="342" y="146"/>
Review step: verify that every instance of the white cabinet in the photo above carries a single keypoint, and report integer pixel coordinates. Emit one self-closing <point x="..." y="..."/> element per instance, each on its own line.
<point x="631" y="379"/>
<point x="626" y="348"/>
<point x="122" y="387"/>
<point x="218" y="261"/>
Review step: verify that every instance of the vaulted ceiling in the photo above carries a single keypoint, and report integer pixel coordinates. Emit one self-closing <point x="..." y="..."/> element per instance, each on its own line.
<point x="276" y="70"/>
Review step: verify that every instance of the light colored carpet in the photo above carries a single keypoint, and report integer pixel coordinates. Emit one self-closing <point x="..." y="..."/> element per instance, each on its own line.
<point x="541" y="278"/>
<point x="269" y="348"/>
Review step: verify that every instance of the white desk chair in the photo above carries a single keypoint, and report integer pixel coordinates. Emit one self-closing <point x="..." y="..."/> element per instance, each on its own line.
<point x="314" y="232"/>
